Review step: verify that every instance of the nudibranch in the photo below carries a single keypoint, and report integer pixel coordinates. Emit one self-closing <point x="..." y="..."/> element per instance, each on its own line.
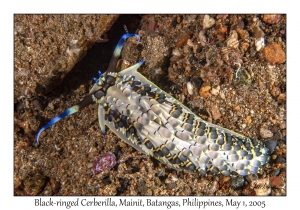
<point x="155" y="123"/>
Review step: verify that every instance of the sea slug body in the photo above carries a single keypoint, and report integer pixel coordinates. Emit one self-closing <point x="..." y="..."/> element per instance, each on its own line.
<point x="155" y="123"/>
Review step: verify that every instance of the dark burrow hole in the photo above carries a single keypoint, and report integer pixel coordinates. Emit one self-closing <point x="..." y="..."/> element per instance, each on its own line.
<point x="97" y="58"/>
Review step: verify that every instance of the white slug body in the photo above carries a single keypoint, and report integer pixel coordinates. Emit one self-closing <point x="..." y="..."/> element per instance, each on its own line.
<point x="153" y="122"/>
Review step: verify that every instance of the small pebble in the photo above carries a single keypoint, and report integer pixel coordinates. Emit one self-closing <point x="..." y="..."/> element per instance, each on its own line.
<point x="248" y="118"/>
<point x="152" y="24"/>
<point x="281" y="98"/>
<point x="141" y="33"/>
<point x="280" y="160"/>
<point x="275" y="181"/>
<point x="190" y="88"/>
<point x="182" y="39"/>
<point x="243" y="34"/>
<point x="123" y="144"/>
<point x="283" y="132"/>
<point x="204" y="91"/>
<point x="232" y="40"/>
<point x="215" y="112"/>
<point x="221" y="32"/>
<point x="271" y="19"/>
<point x="190" y="43"/>
<point x="186" y="49"/>
<point x="208" y="21"/>
<point x="205" y="88"/>
<point x="261" y="186"/>
<point x="257" y="32"/>
<point x="202" y="38"/>
<point x="237" y="108"/>
<point x="215" y="186"/>
<point x="259" y="43"/>
<point x="245" y="45"/>
<point x="105" y="162"/>
<point x="275" y="91"/>
<point x="274" y="54"/>
<point x="265" y="133"/>
<point x="239" y="24"/>
<point x="222" y="95"/>
<point x="93" y="149"/>
<point x="282" y="125"/>
<point x="187" y="68"/>
<point x="176" y="52"/>
<point x="215" y="91"/>
<point x="236" y="182"/>
<point x="197" y="82"/>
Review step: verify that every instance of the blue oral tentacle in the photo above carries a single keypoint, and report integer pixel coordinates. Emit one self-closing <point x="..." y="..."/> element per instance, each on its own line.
<point x="100" y="74"/>
<point x="117" y="52"/>
<point x="96" y="80"/>
<point x="120" y="44"/>
<point x="88" y="99"/>
<point x="66" y="113"/>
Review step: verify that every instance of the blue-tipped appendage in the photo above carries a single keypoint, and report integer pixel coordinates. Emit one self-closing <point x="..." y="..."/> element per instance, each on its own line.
<point x="111" y="68"/>
<point x="100" y="74"/>
<point x="101" y="78"/>
<point x="96" y="80"/>
<point x="119" y="46"/>
<point x="117" y="52"/>
<point x="66" y="113"/>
